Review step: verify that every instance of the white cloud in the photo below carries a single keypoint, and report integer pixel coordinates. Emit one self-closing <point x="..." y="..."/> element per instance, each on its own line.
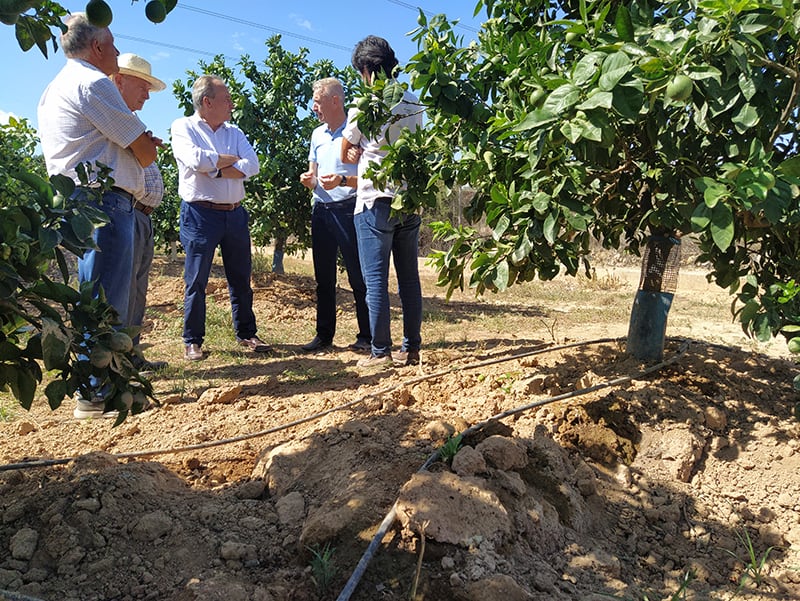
<point x="301" y="22"/>
<point x="4" y="115"/>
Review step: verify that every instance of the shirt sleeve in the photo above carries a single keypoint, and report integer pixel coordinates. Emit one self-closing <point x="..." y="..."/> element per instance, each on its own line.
<point x="351" y="133"/>
<point x="248" y="159"/>
<point x="104" y="108"/>
<point x="187" y="149"/>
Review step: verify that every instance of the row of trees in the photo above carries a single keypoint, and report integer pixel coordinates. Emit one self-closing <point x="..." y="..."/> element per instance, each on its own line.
<point x="615" y="121"/>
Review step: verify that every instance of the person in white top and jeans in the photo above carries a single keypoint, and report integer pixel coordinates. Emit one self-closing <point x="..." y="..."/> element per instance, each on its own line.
<point x="214" y="159"/>
<point x="83" y="119"/>
<point x="380" y="233"/>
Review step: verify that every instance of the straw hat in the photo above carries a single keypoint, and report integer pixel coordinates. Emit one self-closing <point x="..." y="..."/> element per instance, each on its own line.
<point x="132" y="64"/>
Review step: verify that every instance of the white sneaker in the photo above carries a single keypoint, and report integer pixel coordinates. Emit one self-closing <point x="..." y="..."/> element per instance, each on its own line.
<point x="88" y="409"/>
<point x="375" y="361"/>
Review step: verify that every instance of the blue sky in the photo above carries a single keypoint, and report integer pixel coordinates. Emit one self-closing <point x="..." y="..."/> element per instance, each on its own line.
<point x="198" y="29"/>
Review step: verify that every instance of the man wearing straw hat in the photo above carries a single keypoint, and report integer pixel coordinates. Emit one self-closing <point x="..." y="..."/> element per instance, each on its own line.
<point x="135" y="82"/>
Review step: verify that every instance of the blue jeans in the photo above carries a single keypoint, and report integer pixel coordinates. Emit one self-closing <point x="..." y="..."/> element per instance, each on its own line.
<point x="143" y="249"/>
<point x="380" y="235"/>
<point x="202" y="230"/>
<point x="332" y="231"/>
<point x="110" y="266"/>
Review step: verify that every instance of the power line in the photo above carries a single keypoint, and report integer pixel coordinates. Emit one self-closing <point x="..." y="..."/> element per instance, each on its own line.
<point x="429" y="13"/>
<point x="173" y="46"/>
<point x="305" y="38"/>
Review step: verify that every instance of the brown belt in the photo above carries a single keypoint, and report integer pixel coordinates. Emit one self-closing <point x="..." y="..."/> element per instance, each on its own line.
<point x="217" y="206"/>
<point x="146" y="209"/>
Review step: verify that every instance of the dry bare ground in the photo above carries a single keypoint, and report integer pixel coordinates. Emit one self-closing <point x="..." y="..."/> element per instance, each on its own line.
<point x="232" y="487"/>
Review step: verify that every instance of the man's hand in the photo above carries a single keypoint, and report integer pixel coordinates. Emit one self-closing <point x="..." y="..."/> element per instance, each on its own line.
<point x="352" y="154"/>
<point x="307" y="179"/>
<point x="330" y="180"/>
<point x="155" y="139"/>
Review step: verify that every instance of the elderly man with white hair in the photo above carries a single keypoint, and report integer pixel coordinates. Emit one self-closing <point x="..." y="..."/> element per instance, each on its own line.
<point x="135" y="81"/>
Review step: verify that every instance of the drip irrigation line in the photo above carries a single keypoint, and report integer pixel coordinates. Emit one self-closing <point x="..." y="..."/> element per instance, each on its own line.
<point x="38" y="463"/>
<point x="387" y="522"/>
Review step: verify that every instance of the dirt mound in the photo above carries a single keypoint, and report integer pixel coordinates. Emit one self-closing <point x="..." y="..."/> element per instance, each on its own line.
<point x="620" y="492"/>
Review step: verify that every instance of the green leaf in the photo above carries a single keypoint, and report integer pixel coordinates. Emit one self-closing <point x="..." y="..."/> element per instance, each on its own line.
<point x="55" y="392"/>
<point x="55" y="345"/>
<point x="746" y="118"/>
<point x="602" y="100"/>
<point x="714" y="193"/>
<point x="722" y="226"/>
<point x="701" y="217"/>
<point x="536" y="118"/>
<point x="562" y="98"/>
<point x="587" y="68"/>
<point x="393" y="93"/>
<point x="624" y="24"/>
<point x="501" y="276"/>
<point x="791" y="167"/>
<point x="81" y="226"/>
<point x="615" y="67"/>
<point x="501" y="227"/>
<point x="550" y="227"/>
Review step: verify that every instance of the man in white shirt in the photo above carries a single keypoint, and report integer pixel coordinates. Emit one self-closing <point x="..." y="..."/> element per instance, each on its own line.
<point x="83" y="119"/>
<point x="214" y="159"/>
<point x="332" y="231"/>
<point x="135" y="81"/>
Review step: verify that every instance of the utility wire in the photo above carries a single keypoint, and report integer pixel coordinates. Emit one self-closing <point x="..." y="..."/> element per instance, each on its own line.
<point x="429" y="13"/>
<point x="305" y="38"/>
<point x="173" y="46"/>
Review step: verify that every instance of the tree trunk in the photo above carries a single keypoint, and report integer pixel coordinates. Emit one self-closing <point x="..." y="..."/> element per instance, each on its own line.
<point x="277" y="258"/>
<point x="648" y="324"/>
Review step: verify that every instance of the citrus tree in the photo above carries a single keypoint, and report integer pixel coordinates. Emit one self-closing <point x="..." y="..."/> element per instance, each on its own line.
<point x="615" y="121"/>
<point x="39" y="22"/>
<point x="46" y="324"/>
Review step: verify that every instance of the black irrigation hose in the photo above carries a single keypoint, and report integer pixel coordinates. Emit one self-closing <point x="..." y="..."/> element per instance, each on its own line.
<point x="361" y="567"/>
<point x="12" y="596"/>
<point x="36" y="463"/>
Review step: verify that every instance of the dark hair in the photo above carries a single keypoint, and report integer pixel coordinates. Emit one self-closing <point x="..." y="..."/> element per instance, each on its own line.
<point x="375" y="55"/>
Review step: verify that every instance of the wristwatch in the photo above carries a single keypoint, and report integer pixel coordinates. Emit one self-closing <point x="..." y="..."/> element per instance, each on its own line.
<point x="343" y="181"/>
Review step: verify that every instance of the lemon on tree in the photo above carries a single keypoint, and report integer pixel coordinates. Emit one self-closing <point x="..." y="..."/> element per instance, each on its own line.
<point x="155" y="11"/>
<point x="99" y="13"/>
<point x="680" y="88"/>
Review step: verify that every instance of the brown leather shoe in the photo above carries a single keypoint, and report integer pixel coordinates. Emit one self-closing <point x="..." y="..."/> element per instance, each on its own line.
<point x="255" y="344"/>
<point x="194" y="352"/>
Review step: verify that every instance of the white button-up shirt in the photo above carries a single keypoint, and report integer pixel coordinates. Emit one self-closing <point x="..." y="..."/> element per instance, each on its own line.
<point x="82" y="117"/>
<point x="197" y="148"/>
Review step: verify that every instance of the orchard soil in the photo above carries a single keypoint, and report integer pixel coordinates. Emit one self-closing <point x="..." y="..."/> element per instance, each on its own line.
<point x="265" y="477"/>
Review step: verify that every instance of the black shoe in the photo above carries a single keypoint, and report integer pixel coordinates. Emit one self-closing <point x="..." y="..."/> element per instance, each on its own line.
<point x="318" y="344"/>
<point x="143" y="365"/>
<point x="360" y="346"/>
